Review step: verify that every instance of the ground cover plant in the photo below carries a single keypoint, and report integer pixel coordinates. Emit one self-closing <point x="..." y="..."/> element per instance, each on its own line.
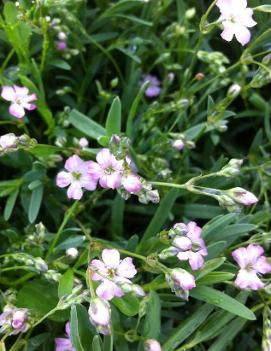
<point x="135" y="175"/>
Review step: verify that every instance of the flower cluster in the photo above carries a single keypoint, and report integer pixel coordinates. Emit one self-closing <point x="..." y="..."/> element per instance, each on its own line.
<point x="114" y="275"/>
<point x="14" y="320"/>
<point x="187" y="245"/>
<point x="252" y="262"/>
<point x="108" y="172"/>
<point x="20" y="100"/>
<point x="10" y="142"/>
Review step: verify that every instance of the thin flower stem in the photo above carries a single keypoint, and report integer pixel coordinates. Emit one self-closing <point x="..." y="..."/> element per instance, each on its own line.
<point x="67" y="217"/>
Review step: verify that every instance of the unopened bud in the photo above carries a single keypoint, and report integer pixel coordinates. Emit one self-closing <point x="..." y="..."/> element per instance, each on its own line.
<point x="234" y="90"/>
<point x="100" y="315"/>
<point x="72" y="253"/>
<point x="242" y="196"/>
<point x="62" y="36"/>
<point x="180" y="282"/>
<point x="152" y="345"/>
<point x="178" y="144"/>
<point x="232" y="168"/>
<point x="190" y="13"/>
<point x="83" y="142"/>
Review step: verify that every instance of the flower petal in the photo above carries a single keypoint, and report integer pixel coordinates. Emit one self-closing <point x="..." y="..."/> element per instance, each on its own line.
<point x="8" y="93"/>
<point x="243" y="36"/>
<point x="228" y="31"/>
<point x="16" y="110"/>
<point x="247" y="279"/>
<point x="182" y="242"/>
<point x="126" y="268"/>
<point x="104" y="158"/>
<point x="196" y="261"/>
<point x="262" y="265"/>
<point x="74" y="164"/>
<point x="107" y="290"/>
<point x="111" y="258"/>
<point x="63" y="179"/>
<point x="75" y="191"/>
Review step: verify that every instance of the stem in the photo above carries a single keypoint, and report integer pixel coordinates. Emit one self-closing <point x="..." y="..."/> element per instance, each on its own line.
<point x="67" y="217"/>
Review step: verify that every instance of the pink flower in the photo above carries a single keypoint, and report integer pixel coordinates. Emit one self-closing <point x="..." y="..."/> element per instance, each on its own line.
<point x="191" y="246"/>
<point x="180" y="282"/>
<point x="112" y="272"/>
<point x="76" y="178"/>
<point x="14" y="319"/>
<point x="83" y="142"/>
<point x="20" y="100"/>
<point x="242" y="196"/>
<point x="131" y="183"/>
<point x="153" y="89"/>
<point x="108" y="170"/>
<point x="152" y="345"/>
<point x="8" y="141"/>
<point x="252" y="262"/>
<point x="65" y="344"/>
<point x="61" y="45"/>
<point x="236" y="18"/>
<point x="187" y="245"/>
<point x="100" y="315"/>
<point x="178" y="144"/>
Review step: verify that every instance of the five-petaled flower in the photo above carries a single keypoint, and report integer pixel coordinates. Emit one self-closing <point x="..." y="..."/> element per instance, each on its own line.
<point x="153" y="90"/>
<point x="107" y="170"/>
<point x="20" y="100"/>
<point x="252" y="263"/>
<point x="112" y="272"/>
<point x="76" y="178"/>
<point x="236" y="18"/>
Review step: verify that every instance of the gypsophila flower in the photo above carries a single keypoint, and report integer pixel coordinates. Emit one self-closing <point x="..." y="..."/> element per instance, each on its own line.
<point x="72" y="253"/>
<point x="100" y="315"/>
<point x="107" y="170"/>
<point x="153" y="89"/>
<point x="83" y="142"/>
<point x="242" y="196"/>
<point x="236" y="18"/>
<point x="77" y="177"/>
<point x="180" y="281"/>
<point x="14" y="320"/>
<point x="252" y="263"/>
<point x="65" y="344"/>
<point x="178" y="144"/>
<point x="131" y="183"/>
<point x="189" y="246"/>
<point x="152" y="345"/>
<point x="20" y="100"/>
<point x="8" y="141"/>
<point x="112" y="272"/>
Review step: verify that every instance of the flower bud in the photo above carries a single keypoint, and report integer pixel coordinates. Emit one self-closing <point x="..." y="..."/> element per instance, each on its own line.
<point x="199" y="76"/>
<point x="72" y="253"/>
<point x="41" y="265"/>
<point x="100" y="315"/>
<point x="190" y="13"/>
<point x="62" y="36"/>
<point x="152" y="345"/>
<point x="153" y="196"/>
<point x="180" y="282"/>
<point x="178" y="144"/>
<point x="170" y="77"/>
<point x="242" y="196"/>
<point x="8" y="141"/>
<point x="232" y="168"/>
<point x="131" y="183"/>
<point x="83" y="142"/>
<point x="234" y="91"/>
<point x="169" y="252"/>
<point x="61" y="45"/>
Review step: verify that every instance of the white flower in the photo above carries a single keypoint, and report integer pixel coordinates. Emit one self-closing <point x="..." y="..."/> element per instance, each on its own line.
<point x="236" y="18"/>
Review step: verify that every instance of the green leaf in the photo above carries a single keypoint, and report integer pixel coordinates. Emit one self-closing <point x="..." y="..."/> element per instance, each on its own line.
<point x="35" y="203"/>
<point x="161" y="215"/>
<point x="117" y="213"/>
<point x="97" y="343"/>
<point x="113" y="121"/>
<point x="81" y="334"/>
<point x="133" y="110"/>
<point x="187" y="327"/>
<point x="215" y="277"/>
<point x="10" y="204"/>
<point x="217" y="224"/>
<point x="108" y="343"/>
<point x="263" y="8"/>
<point x="221" y="300"/>
<point x="121" y="6"/>
<point x="60" y="64"/>
<point x="10" y="12"/>
<point x="86" y="125"/>
<point x="228" y="335"/>
<point x="65" y="283"/>
<point x="128" y="305"/>
<point x="214" y="325"/>
<point x="152" y="323"/>
<point x="210" y="266"/>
